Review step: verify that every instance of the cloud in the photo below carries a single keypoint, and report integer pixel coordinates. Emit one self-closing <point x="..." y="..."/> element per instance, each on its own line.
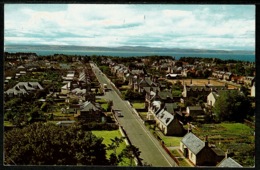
<point x="184" y="26"/>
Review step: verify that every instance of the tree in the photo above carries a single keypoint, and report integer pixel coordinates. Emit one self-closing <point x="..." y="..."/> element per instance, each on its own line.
<point x="232" y="106"/>
<point x="48" y="144"/>
<point x="113" y="146"/>
<point x="129" y="152"/>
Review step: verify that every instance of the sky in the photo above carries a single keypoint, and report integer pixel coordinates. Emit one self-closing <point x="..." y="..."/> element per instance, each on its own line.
<point x="220" y="27"/>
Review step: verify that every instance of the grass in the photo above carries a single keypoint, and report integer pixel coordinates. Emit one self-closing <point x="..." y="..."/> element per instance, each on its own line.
<point x="171" y="140"/>
<point x="107" y="136"/>
<point x="104" y="106"/>
<point x="180" y="158"/>
<point x="101" y="100"/>
<point x="138" y="105"/>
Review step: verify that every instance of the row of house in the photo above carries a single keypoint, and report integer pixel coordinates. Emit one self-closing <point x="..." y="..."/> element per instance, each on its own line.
<point x="23" y="89"/>
<point x="228" y="76"/>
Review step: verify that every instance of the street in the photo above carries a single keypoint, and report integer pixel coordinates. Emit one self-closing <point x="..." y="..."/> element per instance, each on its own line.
<point x="151" y="151"/>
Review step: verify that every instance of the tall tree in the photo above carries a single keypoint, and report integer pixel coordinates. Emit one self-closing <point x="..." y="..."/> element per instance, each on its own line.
<point x="232" y="106"/>
<point x="48" y="144"/>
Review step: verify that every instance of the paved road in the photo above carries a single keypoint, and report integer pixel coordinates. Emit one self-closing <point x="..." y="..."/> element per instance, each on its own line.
<point x="151" y="151"/>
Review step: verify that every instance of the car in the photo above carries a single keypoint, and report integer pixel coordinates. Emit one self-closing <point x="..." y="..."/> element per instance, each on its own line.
<point x="119" y="114"/>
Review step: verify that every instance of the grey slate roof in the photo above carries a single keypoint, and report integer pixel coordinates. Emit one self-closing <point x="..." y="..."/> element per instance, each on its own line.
<point x="193" y="143"/>
<point x="87" y="106"/>
<point x="165" y="94"/>
<point x="165" y="117"/>
<point x="228" y="162"/>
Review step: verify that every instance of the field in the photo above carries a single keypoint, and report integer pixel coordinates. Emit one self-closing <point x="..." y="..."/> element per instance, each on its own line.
<point x="237" y="138"/>
<point x="201" y="82"/>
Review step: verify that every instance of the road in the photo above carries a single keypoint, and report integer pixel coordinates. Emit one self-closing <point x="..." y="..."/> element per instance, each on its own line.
<point x="151" y="151"/>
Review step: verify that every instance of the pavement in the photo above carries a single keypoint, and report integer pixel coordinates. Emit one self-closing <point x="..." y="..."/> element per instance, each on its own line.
<point x="151" y="151"/>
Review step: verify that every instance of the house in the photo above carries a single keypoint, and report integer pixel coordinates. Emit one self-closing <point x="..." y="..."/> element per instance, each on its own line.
<point x="238" y="79"/>
<point x="195" y="113"/>
<point x="143" y="82"/>
<point x="200" y="90"/>
<point x="199" y="152"/>
<point x="229" y="162"/>
<point x="23" y="88"/>
<point x="248" y="80"/>
<point x="173" y="76"/>
<point x="89" y="112"/>
<point x="227" y="76"/>
<point x="211" y="98"/>
<point x="253" y="90"/>
<point x="169" y="124"/>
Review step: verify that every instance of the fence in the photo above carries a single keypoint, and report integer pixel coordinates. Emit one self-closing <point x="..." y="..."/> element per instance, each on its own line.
<point x="165" y="148"/>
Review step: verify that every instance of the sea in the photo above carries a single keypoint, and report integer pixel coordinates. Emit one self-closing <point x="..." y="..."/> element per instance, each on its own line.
<point x="124" y="53"/>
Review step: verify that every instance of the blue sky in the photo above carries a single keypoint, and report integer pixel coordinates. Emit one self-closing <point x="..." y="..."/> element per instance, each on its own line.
<point x="227" y="27"/>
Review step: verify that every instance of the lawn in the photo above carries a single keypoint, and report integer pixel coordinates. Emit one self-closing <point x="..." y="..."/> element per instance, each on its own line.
<point x="107" y="136"/>
<point x="170" y="140"/>
<point x="138" y="105"/>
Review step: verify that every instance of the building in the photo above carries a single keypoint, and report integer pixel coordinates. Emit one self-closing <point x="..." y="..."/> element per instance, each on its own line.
<point x="199" y="152"/>
<point x="169" y="124"/>
<point x="203" y="90"/>
<point x="89" y="112"/>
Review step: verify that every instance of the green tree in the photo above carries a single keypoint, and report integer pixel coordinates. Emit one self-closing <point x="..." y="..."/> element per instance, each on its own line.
<point x="48" y="144"/>
<point x="129" y="152"/>
<point x="113" y="146"/>
<point x="232" y="106"/>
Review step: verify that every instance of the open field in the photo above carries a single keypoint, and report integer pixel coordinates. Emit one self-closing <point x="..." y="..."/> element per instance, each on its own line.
<point x="201" y="82"/>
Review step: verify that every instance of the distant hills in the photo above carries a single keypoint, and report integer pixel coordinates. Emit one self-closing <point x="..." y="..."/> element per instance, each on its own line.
<point x="124" y="48"/>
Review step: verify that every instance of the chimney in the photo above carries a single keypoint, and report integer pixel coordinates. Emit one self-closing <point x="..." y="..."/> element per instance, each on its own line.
<point x="190" y="81"/>
<point x="206" y="141"/>
<point x="226" y="154"/>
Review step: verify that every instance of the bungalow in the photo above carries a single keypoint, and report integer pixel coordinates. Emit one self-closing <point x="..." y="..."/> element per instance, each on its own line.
<point x="199" y="152"/>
